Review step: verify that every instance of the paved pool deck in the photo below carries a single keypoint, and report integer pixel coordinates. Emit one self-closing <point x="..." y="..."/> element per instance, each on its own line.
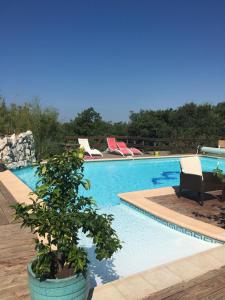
<point x="145" y="284"/>
<point x="111" y="157"/>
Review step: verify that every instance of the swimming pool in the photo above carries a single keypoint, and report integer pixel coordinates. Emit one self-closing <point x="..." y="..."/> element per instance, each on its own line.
<point x="146" y="243"/>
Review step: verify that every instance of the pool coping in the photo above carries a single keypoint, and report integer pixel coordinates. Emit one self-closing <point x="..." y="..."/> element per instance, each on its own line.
<point x="125" y="158"/>
<point x="18" y="189"/>
<point x="140" y="200"/>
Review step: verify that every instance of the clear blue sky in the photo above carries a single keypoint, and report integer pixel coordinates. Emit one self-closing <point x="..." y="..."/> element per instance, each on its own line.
<point x="113" y="55"/>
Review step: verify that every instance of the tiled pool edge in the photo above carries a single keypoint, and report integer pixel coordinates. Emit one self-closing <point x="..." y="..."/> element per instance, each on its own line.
<point x="187" y="225"/>
<point x="119" y="158"/>
<point x="173" y="225"/>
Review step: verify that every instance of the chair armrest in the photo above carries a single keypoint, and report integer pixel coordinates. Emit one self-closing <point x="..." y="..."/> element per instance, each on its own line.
<point x="211" y="179"/>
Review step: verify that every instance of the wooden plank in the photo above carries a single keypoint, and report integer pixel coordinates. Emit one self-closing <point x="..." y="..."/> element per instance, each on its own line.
<point x="11" y="270"/>
<point x="211" y="212"/>
<point x="3" y="219"/>
<point x="206" y="286"/>
<point x="200" y="291"/>
<point x="19" y="292"/>
<point x="12" y="243"/>
<point x="13" y="229"/>
<point x="8" y="211"/>
<point x="6" y="194"/>
<point x="16" y="250"/>
<point x="16" y="280"/>
<point x="217" y="295"/>
<point x="6" y="200"/>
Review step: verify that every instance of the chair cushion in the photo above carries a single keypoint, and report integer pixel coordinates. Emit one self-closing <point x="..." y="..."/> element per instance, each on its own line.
<point x="191" y="165"/>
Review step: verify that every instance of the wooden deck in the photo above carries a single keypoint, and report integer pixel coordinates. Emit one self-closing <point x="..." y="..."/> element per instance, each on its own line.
<point x="210" y="286"/>
<point x="212" y="212"/>
<point x="16" y="250"/>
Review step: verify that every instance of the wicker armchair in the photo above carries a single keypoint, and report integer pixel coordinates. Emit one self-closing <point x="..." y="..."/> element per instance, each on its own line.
<point x="192" y="178"/>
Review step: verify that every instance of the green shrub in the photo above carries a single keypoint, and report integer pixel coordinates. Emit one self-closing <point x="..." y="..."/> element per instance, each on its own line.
<point x="59" y="213"/>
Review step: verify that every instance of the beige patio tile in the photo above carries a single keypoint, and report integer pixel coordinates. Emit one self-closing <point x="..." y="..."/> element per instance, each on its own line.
<point x="184" y="269"/>
<point x="134" y="287"/>
<point x="107" y="292"/>
<point x="218" y="253"/>
<point x="160" y="278"/>
<point x="205" y="261"/>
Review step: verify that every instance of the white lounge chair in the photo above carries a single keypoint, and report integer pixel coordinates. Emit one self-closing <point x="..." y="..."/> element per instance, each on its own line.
<point x="85" y="145"/>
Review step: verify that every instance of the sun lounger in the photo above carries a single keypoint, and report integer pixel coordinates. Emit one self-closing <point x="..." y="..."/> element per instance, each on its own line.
<point x="134" y="151"/>
<point x="123" y="147"/>
<point x="113" y="148"/>
<point x="85" y="145"/>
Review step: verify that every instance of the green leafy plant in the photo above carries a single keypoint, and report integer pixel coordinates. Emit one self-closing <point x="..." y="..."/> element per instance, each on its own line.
<point x="58" y="214"/>
<point x="220" y="175"/>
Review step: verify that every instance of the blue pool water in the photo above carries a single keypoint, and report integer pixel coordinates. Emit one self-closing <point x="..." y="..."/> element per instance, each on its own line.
<point x="111" y="178"/>
<point x="146" y="243"/>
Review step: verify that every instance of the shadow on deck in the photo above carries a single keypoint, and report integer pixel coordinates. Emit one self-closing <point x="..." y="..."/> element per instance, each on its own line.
<point x="212" y="212"/>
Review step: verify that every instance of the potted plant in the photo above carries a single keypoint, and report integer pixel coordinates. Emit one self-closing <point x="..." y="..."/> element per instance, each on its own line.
<point x="57" y="214"/>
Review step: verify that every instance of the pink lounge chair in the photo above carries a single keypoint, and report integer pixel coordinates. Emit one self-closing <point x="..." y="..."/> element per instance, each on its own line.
<point x="113" y="148"/>
<point x="134" y="151"/>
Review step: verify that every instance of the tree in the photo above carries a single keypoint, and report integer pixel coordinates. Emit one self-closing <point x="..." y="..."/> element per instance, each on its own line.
<point x="88" y="123"/>
<point x="59" y="213"/>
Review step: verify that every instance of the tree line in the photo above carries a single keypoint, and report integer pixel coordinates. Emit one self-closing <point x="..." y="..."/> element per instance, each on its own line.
<point x="190" y="121"/>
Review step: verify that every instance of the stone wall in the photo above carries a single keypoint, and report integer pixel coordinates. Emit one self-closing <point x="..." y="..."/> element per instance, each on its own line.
<point x="18" y="150"/>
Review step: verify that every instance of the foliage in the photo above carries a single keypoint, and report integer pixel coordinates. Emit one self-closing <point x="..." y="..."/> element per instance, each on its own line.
<point x="43" y="123"/>
<point x="220" y="175"/>
<point x="204" y="122"/>
<point x="59" y="213"/>
<point x="88" y="123"/>
<point x="190" y="120"/>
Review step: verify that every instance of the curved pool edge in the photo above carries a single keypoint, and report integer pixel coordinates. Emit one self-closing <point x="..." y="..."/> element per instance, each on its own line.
<point x="145" y="284"/>
<point x="177" y="221"/>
